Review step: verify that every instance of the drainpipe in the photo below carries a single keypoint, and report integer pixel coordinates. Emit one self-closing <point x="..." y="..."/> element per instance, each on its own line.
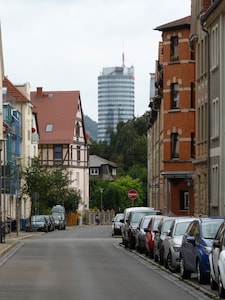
<point x="208" y="114"/>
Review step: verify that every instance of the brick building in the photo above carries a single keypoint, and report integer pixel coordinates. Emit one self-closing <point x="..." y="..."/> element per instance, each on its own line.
<point x="172" y="108"/>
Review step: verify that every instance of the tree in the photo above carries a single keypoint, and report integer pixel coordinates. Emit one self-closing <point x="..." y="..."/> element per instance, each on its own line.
<point x="72" y="199"/>
<point x="51" y="185"/>
<point x="115" y="193"/>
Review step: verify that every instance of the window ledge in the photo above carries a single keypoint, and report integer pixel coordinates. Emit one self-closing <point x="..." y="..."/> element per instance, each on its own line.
<point x="174" y="110"/>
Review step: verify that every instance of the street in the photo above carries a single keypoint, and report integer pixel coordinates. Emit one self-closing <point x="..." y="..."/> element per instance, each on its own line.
<point x="84" y="263"/>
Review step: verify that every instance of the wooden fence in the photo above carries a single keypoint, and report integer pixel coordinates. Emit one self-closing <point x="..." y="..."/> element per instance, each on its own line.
<point x="89" y="218"/>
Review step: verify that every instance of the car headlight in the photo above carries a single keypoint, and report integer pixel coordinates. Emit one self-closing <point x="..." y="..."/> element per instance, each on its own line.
<point x="206" y="249"/>
<point x="176" y="248"/>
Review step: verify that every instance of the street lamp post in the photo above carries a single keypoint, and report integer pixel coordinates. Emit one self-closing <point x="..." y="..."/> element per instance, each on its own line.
<point x="101" y="191"/>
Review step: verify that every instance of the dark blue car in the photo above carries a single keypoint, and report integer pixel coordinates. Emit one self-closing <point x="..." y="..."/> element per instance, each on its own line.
<point x="196" y="246"/>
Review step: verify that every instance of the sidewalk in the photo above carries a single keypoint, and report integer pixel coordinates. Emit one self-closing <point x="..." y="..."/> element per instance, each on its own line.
<point x="11" y="239"/>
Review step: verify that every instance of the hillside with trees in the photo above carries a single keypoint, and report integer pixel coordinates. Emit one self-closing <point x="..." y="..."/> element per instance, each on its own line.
<point x="128" y="149"/>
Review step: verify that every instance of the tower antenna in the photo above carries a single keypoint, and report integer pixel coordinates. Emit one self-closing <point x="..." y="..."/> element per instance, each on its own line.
<point x="123" y="58"/>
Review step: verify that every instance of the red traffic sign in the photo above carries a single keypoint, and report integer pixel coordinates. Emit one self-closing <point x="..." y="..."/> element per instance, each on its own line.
<point x="132" y="194"/>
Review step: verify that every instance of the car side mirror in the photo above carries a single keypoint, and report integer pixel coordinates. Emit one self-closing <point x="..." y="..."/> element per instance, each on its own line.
<point x="168" y="233"/>
<point x="216" y="244"/>
<point x="191" y="240"/>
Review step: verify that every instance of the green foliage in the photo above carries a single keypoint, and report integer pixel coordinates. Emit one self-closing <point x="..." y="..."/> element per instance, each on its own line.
<point x="72" y="199"/>
<point x="128" y="149"/>
<point x="115" y="193"/>
<point x="51" y="186"/>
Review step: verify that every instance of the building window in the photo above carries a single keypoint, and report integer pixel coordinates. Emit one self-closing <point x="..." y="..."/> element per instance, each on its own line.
<point x="214" y="46"/>
<point x="175" y="145"/>
<point x="57" y="152"/>
<point x="78" y="153"/>
<point x="184" y="200"/>
<point x="215" y="118"/>
<point x="49" y="127"/>
<point x="174" y="48"/>
<point x="77" y="130"/>
<point x="192" y="95"/>
<point x="174" y="95"/>
<point x="94" y="171"/>
<point x="192" y="145"/>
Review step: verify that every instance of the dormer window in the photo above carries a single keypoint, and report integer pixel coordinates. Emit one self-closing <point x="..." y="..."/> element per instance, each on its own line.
<point x="49" y="127"/>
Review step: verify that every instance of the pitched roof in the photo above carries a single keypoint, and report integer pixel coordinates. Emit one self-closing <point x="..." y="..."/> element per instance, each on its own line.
<point x="58" y="108"/>
<point x="97" y="161"/>
<point x="179" y="23"/>
<point x="13" y="94"/>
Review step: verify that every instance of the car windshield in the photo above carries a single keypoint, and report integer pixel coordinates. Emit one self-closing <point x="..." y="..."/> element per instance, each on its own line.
<point x="145" y="222"/>
<point x="156" y="224"/>
<point x="118" y="218"/>
<point x="181" y="228"/>
<point x="209" y="229"/>
<point x="136" y="217"/>
<point x="38" y="218"/>
<point x="166" y="225"/>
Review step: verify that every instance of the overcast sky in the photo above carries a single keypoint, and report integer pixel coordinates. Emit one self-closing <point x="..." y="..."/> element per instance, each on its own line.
<point x="65" y="44"/>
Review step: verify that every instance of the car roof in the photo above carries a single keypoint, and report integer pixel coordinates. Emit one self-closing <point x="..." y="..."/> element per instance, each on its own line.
<point x="209" y="219"/>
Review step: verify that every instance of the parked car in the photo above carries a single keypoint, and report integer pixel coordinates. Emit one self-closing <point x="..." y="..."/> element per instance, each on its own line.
<point x="60" y="212"/>
<point x="160" y="233"/>
<point x="124" y="220"/>
<point x="58" y="222"/>
<point x="196" y="246"/>
<point x="149" y="235"/>
<point x="38" y="223"/>
<point x="116" y="224"/>
<point x="172" y="242"/>
<point x="133" y="218"/>
<point x="51" y="222"/>
<point x="217" y="262"/>
<point x="140" y="233"/>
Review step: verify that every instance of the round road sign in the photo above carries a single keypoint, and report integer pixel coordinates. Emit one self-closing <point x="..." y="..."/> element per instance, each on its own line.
<point x="132" y="194"/>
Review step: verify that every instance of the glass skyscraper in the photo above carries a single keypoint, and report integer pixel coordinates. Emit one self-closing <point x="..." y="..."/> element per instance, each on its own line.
<point x="115" y="99"/>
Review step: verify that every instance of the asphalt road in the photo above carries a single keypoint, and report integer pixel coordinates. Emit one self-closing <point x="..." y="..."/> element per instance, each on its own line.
<point x="85" y="263"/>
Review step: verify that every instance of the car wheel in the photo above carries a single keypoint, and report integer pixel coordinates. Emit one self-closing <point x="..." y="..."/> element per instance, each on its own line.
<point x="151" y="253"/>
<point x="165" y="262"/>
<point x="213" y="284"/>
<point x="146" y="252"/>
<point x="220" y="287"/>
<point x="170" y="264"/>
<point x="185" y="274"/>
<point x="200" y="275"/>
<point x="161" y="257"/>
<point x="156" y="259"/>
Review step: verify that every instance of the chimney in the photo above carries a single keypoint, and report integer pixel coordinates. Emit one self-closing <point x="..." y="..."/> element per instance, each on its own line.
<point x="39" y="92"/>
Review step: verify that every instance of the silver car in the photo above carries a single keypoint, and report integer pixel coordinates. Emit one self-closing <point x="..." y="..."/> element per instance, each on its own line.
<point x="172" y="242"/>
<point x="116" y="224"/>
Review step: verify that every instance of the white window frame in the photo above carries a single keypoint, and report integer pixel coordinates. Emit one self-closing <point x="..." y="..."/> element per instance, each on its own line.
<point x="214" y="47"/>
<point x="215" y="185"/>
<point x="215" y="118"/>
<point x="94" y="171"/>
<point x="186" y="200"/>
